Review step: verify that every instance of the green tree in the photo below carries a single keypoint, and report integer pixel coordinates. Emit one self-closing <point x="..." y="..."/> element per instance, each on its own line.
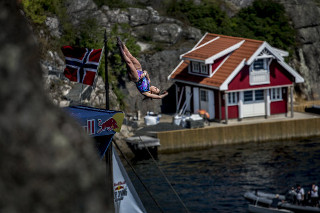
<point x="265" y="20"/>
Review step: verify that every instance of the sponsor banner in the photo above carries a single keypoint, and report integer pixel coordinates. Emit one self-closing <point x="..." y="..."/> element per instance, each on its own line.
<point x="98" y="122"/>
<point x="126" y="198"/>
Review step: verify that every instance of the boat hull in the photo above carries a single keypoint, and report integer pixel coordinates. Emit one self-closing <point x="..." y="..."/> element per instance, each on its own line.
<point x="265" y="199"/>
<point x="260" y="209"/>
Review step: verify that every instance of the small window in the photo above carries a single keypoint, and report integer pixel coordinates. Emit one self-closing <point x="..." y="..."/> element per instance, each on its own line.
<point x="248" y="96"/>
<point x="259" y="65"/>
<point x="276" y="94"/>
<point x="195" y="67"/>
<point x="253" y="95"/>
<point x="258" y="95"/>
<point x="204" y="69"/>
<point x="232" y="98"/>
<point x="203" y="95"/>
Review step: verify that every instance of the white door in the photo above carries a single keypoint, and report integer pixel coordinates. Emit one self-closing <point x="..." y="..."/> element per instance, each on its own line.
<point x="253" y="103"/>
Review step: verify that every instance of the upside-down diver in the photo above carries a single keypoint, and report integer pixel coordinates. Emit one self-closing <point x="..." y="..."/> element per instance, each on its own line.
<point x="137" y="75"/>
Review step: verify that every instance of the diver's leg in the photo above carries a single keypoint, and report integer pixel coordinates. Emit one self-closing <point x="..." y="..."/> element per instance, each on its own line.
<point x="135" y="62"/>
<point x="132" y="71"/>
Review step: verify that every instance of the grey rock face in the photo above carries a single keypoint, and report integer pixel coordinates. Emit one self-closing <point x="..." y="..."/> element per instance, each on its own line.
<point x="117" y="16"/>
<point x="192" y="33"/>
<point x="305" y="19"/>
<point x="147" y="24"/>
<point x="169" y="33"/>
<point x="53" y="25"/>
<point x="83" y="9"/>
<point x="47" y="163"/>
<point x="138" y="16"/>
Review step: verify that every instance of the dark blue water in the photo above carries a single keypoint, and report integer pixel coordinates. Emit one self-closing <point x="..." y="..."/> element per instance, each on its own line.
<point x="214" y="180"/>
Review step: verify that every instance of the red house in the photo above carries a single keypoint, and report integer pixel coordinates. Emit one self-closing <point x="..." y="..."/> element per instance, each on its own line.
<point x="233" y="77"/>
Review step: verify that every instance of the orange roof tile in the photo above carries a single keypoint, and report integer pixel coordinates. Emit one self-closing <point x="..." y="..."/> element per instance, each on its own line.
<point x="245" y="51"/>
<point x="212" y="48"/>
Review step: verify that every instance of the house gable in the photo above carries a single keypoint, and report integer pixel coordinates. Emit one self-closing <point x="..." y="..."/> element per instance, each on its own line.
<point x="265" y="50"/>
<point x="278" y="77"/>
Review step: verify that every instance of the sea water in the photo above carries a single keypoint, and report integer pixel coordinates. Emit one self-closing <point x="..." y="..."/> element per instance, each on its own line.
<point x="215" y="179"/>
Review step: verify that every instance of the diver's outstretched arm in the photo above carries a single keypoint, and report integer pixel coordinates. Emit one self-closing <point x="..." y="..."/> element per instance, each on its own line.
<point x="149" y="95"/>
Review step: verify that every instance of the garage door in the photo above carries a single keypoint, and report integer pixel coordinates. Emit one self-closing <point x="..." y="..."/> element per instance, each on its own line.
<point x="253" y="103"/>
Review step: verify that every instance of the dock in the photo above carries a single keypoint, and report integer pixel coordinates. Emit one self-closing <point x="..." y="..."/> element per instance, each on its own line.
<point x="140" y="144"/>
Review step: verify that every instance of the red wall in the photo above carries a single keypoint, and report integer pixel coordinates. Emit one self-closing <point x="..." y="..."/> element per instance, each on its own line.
<point x="277" y="107"/>
<point x="278" y="76"/>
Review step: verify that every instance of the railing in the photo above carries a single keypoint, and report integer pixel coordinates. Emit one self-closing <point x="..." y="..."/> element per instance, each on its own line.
<point x="260" y="77"/>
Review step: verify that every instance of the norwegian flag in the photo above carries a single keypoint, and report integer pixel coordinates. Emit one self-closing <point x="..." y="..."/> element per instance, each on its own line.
<point x="81" y="63"/>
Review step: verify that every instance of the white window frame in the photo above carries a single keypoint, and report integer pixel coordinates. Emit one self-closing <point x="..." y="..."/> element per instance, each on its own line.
<point x="232" y="98"/>
<point x="194" y="66"/>
<point x="203" y="69"/>
<point x="253" y="97"/>
<point x="199" y="68"/>
<point x="276" y="94"/>
<point x="264" y="65"/>
<point x="264" y="73"/>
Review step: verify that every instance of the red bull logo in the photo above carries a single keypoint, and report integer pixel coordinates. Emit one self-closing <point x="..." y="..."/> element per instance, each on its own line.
<point x="120" y="191"/>
<point x="109" y="125"/>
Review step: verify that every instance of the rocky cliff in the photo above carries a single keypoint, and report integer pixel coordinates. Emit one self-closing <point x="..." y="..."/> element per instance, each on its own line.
<point x="152" y="30"/>
<point x="305" y="16"/>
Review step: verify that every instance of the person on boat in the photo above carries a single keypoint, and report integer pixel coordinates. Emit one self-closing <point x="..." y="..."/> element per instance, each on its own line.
<point x="275" y="202"/>
<point x="314" y="195"/>
<point x="300" y="195"/>
<point x="137" y="75"/>
<point x="291" y="195"/>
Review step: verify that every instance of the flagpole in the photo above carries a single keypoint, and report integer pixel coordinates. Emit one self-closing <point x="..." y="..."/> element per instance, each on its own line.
<point x="108" y="155"/>
<point x="106" y="69"/>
